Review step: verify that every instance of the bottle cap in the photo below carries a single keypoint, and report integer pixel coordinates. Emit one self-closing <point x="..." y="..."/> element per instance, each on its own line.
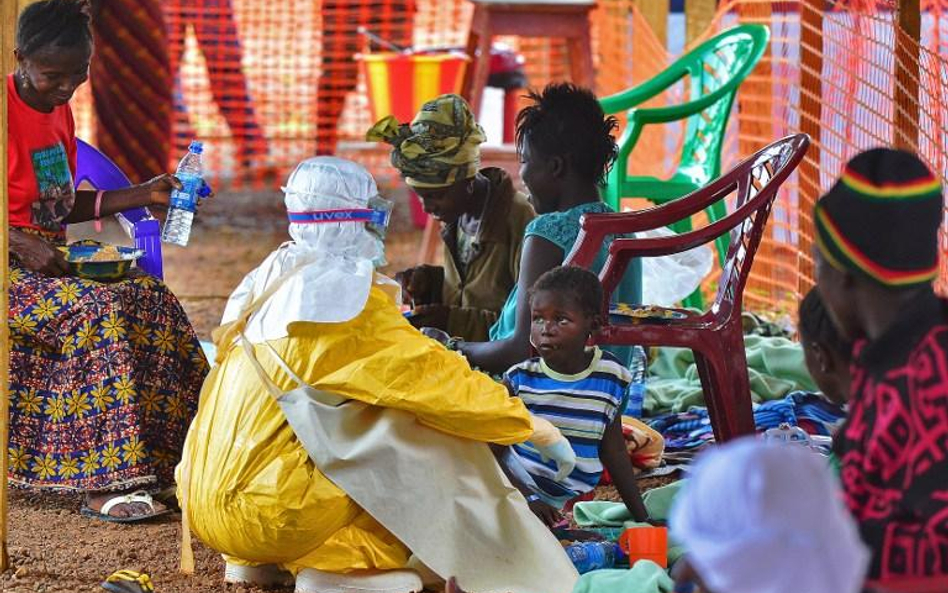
<point x="196" y="147"/>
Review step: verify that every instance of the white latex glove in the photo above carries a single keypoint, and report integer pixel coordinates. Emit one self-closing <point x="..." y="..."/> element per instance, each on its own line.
<point x="551" y="444"/>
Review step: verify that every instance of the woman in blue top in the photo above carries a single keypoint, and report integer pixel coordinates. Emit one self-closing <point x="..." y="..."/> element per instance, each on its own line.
<point x="566" y="146"/>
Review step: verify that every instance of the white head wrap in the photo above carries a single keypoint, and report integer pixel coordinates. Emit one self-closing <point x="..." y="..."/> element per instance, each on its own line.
<point x="334" y="259"/>
<point x="761" y="517"/>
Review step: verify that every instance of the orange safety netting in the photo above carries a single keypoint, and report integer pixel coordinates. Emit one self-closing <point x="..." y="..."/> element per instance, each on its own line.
<point x="266" y="84"/>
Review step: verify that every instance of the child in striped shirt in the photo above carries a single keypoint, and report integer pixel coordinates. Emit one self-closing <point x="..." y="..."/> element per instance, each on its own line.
<point x="581" y="390"/>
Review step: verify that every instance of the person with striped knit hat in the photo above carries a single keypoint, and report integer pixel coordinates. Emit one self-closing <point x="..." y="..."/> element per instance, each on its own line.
<point x="877" y="233"/>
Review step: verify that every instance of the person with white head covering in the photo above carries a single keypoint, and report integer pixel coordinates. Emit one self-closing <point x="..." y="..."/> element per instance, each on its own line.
<point x="334" y="441"/>
<point x="759" y="517"/>
<point x="335" y="259"/>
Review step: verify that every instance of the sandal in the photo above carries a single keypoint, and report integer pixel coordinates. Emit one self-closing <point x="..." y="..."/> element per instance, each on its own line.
<point x="139" y="496"/>
<point x="169" y="498"/>
<point x="128" y="581"/>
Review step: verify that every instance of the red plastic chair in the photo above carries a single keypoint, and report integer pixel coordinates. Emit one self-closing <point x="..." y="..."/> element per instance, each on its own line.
<point x="715" y="336"/>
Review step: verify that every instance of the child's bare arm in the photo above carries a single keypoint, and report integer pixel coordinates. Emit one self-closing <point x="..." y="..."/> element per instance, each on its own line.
<point x="615" y="458"/>
<point x="510" y="389"/>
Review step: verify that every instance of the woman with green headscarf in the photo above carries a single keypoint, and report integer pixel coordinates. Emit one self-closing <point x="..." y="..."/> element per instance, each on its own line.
<point x="483" y="218"/>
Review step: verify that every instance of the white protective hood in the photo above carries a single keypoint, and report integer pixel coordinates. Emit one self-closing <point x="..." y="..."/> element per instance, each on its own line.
<point x="334" y="259"/>
<point x="760" y="517"/>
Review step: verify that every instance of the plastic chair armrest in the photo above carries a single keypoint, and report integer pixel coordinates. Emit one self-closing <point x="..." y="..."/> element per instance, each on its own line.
<point x="594" y="228"/>
<point x="663" y="115"/>
<point x="637" y="95"/>
<point x="656" y="189"/>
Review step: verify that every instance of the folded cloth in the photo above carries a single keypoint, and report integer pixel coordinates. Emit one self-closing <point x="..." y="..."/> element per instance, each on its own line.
<point x="644" y="577"/>
<point x="775" y="366"/>
<point x="810" y="411"/>
<point x="644" y="444"/>
<point x="615" y="514"/>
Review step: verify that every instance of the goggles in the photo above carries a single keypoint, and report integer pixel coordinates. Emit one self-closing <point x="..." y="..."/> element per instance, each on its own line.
<point x="376" y="217"/>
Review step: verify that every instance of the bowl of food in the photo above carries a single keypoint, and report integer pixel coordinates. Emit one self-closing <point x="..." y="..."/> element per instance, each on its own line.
<point x="624" y="312"/>
<point x="100" y="261"/>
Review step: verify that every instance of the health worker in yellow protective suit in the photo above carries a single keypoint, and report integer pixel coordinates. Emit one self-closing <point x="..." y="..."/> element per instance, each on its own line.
<point x="338" y="446"/>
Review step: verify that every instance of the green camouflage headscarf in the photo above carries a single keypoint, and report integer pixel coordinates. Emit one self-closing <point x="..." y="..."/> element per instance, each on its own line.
<point x="440" y="146"/>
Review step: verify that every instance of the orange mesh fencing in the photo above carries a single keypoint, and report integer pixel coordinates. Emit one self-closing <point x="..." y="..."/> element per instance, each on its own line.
<point x="266" y="84"/>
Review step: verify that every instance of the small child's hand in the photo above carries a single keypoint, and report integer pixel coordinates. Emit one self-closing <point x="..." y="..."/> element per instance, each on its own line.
<point x="546" y="513"/>
<point x="435" y="315"/>
<point x="436" y="334"/>
<point x="452" y="586"/>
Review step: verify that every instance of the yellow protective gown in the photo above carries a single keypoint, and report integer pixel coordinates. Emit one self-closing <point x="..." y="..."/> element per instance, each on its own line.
<point x="253" y="492"/>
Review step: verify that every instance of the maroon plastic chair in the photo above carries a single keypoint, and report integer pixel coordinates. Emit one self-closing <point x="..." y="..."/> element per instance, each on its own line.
<point x="715" y="336"/>
<point x="930" y="584"/>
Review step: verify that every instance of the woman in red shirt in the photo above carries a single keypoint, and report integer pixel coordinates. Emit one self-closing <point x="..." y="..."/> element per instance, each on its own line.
<point x="104" y="378"/>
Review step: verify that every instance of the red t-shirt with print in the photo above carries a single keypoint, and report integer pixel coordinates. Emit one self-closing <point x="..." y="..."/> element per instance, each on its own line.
<point x="41" y="165"/>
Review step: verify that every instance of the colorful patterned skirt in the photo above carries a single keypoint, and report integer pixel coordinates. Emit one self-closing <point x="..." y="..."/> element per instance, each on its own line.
<point x="104" y="382"/>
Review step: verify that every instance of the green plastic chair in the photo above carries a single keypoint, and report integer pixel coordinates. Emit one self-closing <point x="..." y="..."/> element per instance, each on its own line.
<point x="714" y="71"/>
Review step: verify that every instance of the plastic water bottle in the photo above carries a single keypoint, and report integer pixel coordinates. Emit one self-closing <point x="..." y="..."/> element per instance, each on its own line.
<point x="589" y="556"/>
<point x="184" y="201"/>
<point x="636" y="399"/>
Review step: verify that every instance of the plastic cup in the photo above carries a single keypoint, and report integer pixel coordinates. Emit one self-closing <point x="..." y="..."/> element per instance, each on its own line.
<point x="645" y="543"/>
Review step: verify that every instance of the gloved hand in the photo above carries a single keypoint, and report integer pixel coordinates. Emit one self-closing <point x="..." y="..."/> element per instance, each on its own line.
<point x="551" y="444"/>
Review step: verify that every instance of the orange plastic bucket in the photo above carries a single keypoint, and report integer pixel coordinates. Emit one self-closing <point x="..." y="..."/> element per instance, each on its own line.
<point x="399" y="84"/>
<point x="645" y="543"/>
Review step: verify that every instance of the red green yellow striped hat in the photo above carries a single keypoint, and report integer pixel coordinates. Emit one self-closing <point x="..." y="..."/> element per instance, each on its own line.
<point x="881" y="219"/>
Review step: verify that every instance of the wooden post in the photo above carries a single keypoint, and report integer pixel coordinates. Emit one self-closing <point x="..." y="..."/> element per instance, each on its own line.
<point x="907" y="39"/>
<point x="755" y="117"/>
<point x="811" y="99"/>
<point x="755" y="97"/>
<point x="698" y="17"/>
<point x="8" y="12"/>
<point x="649" y="56"/>
<point x="656" y="14"/>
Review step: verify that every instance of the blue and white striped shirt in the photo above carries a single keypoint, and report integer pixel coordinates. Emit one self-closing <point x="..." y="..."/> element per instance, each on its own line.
<point x="581" y="406"/>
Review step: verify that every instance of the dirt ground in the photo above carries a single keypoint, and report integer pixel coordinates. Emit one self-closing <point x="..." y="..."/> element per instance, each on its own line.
<point x="52" y="547"/>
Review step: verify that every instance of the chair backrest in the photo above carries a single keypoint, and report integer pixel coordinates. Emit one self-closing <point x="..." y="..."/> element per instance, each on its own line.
<point x="97" y="169"/>
<point x="756" y="181"/>
<point x="101" y="172"/>
<point x="717" y="66"/>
